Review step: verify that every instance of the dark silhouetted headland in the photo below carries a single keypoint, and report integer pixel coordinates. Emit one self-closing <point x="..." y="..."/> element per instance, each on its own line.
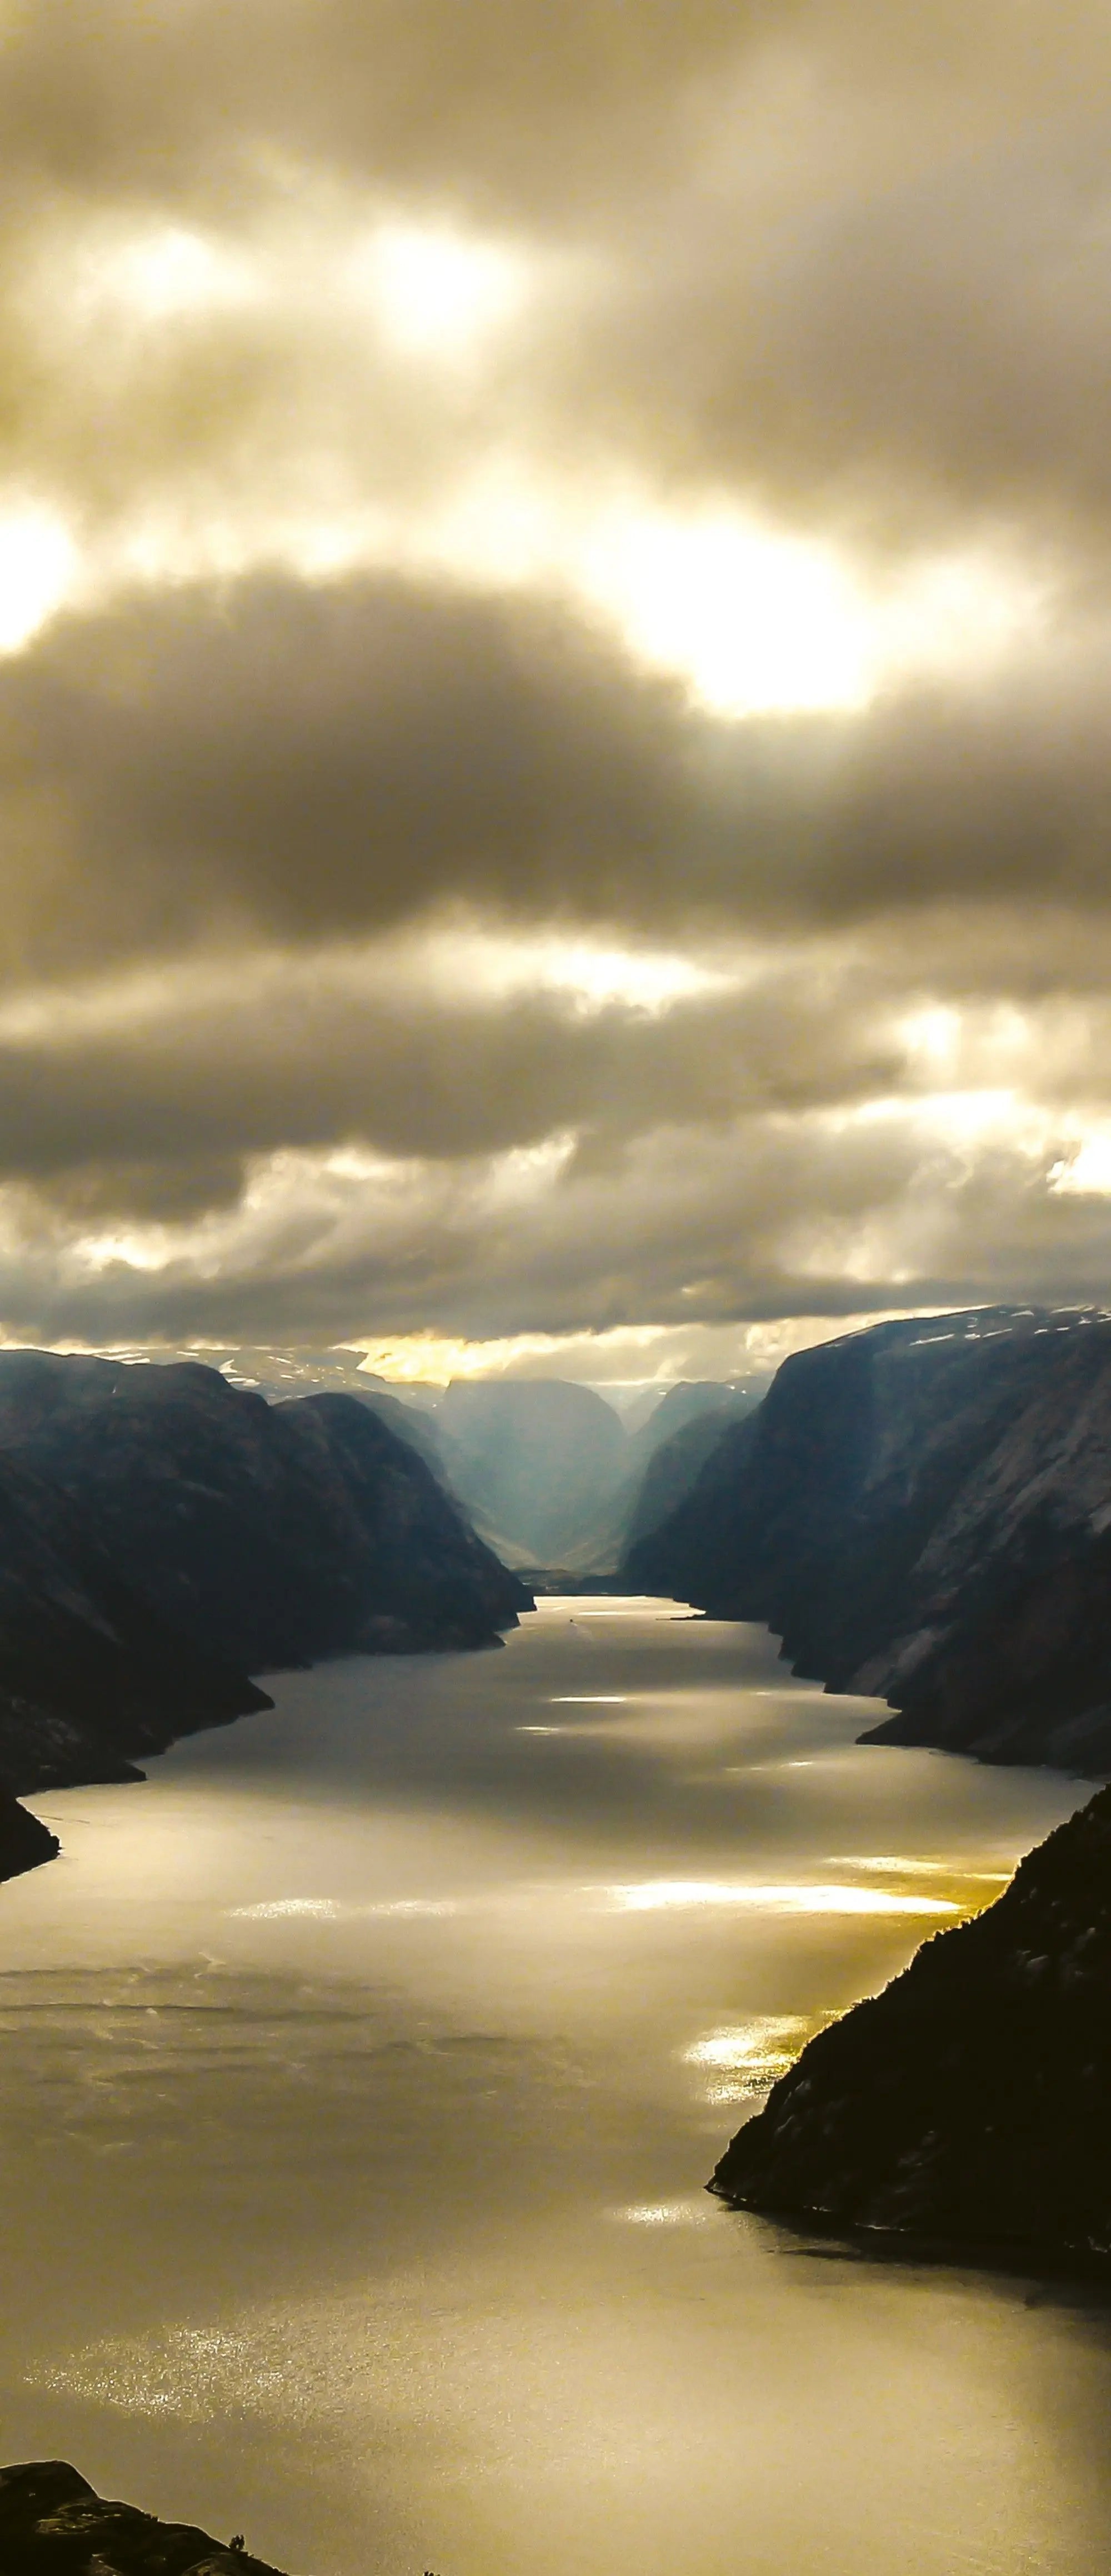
<point x="970" y="2102"/>
<point x="164" y="1535"/>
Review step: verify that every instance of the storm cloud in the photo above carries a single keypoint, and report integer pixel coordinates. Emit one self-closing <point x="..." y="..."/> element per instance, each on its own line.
<point x="554" y="763"/>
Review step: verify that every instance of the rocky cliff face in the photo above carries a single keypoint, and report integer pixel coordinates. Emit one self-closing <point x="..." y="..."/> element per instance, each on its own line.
<point x="163" y="1535"/>
<point x="923" y="1513"/>
<point x="90" y="1674"/>
<point x="667" y="1454"/>
<point x="53" y="2524"/>
<point x="971" y="2100"/>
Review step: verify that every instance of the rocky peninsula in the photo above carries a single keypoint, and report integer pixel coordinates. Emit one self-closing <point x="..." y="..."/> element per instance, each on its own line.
<point x="969" y="2104"/>
<point x="52" y="2523"/>
<point x="922" y="1512"/>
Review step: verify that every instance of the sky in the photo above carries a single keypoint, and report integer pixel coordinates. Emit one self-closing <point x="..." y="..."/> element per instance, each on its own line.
<point x="555" y="641"/>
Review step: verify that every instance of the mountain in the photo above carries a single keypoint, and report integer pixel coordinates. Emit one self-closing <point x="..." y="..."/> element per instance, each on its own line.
<point x="923" y="1512"/>
<point x="90" y="1674"/>
<point x="676" y="1445"/>
<point x="547" y="1468"/>
<point x="970" y="2102"/>
<point x="533" y="1457"/>
<point x="500" y="1456"/>
<point x="164" y="1534"/>
<point x="52" y="2523"/>
<point x="543" y="1477"/>
<point x="658" y="1463"/>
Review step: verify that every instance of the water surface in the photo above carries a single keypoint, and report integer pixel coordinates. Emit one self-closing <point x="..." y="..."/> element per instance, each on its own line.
<point x="361" y="2076"/>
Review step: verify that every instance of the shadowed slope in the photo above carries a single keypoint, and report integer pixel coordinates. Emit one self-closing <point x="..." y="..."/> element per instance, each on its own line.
<point x="923" y="1512"/>
<point x="163" y="1534"/>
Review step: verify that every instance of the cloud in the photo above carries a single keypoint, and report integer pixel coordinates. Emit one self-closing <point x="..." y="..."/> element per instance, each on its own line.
<point x="505" y="101"/>
<point x="687" y="1228"/>
<point x="851" y="260"/>
<point x="218" y="1060"/>
<point x="417" y="421"/>
<point x="302" y="760"/>
<point x="313" y="758"/>
<point x="148" y="1092"/>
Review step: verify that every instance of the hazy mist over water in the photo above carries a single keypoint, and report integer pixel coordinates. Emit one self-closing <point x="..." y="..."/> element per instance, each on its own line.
<point x="362" y="2074"/>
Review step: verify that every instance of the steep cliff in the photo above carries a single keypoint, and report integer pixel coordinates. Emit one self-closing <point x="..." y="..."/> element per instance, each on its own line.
<point x="163" y="1534"/>
<point x="971" y="2100"/>
<point x="923" y="1513"/>
<point x="52" y="2523"/>
<point x="90" y="1674"/>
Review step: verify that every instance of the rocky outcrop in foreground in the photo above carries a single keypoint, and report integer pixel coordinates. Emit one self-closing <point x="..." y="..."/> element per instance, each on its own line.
<point x="52" y="2524"/>
<point x="923" y="1513"/>
<point x="164" y="1535"/>
<point x="970" y="2102"/>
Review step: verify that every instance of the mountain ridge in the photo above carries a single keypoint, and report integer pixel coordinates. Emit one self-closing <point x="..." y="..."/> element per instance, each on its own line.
<point x="164" y="1535"/>
<point x="922" y="1512"/>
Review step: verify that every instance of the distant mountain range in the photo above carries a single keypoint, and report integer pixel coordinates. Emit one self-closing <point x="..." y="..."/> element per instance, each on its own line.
<point x="165" y="1535"/>
<point x="922" y="1512"/>
<point x="548" y="1471"/>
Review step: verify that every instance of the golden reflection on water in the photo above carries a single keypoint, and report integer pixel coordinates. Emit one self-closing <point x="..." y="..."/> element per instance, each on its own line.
<point x="362" y="2078"/>
<point x="662" y="2213"/>
<point x="751" y="2056"/>
<point x="652" y="1895"/>
<point x="328" y="1909"/>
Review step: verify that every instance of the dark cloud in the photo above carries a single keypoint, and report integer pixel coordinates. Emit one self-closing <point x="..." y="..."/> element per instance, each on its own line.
<point x="313" y="759"/>
<point x="152" y="1104"/>
<point x="304" y="761"/>
<point x="684" y="1228"/>
<point x="845" y="263"/>
<point x="505" y="102"/>
<point x="922" y="349"/>
<point x="852" y="259"/>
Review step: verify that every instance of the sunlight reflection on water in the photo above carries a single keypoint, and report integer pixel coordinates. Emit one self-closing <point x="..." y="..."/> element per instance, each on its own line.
<point x="362" y="2077"/>
<point x="648" y="1896"/>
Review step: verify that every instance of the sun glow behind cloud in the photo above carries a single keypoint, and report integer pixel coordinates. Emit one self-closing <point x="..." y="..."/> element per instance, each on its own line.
<point x="164" y="275"/>
<point x="38" y="566"/>
<point x="753" y="619"/>
<point x="437" y="293"/>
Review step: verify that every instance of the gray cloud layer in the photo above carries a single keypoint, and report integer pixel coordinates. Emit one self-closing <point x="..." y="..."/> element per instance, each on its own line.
<point x="852" y="257"/>
<point x="848" y="264"/>
<point x="301" y="760"/>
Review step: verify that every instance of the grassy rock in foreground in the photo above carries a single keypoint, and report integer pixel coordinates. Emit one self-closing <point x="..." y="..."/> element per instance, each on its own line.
<point x="52" y="2524"/>
<point x="971" y="2100"/>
